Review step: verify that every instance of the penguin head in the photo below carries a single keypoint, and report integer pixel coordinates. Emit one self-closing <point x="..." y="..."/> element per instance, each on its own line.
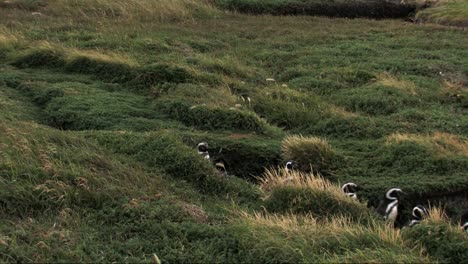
<point x="290" y="165"/>
<point x="393" y="194"/>
<point x="420" y="212"/>
<point x="349" y="188"/>
<point x="221" y="167"/>
<point x="202" y="147"/>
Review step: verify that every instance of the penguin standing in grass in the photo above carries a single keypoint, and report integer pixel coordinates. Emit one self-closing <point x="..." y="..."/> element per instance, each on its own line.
<point x="350" y="189"/>
<point x="419" y="213"/>
<point x="464" y="221"/>
<point x="388" y="207"/>
<point x="203" y="150"/>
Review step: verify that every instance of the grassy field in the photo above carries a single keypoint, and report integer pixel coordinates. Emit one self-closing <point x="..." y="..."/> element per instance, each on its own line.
<point x="102" y="104"/>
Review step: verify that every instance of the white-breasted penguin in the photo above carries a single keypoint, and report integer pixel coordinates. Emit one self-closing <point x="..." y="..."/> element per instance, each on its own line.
<point x="388" y="207"/>
<point x="349" y="189"/>
<point x="203" y="150"/>
<point x="464" y="221"/>
<point x="419" y="213"/>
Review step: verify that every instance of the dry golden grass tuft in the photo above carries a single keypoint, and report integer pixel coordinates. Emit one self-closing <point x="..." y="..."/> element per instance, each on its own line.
<point x="308" y="225"/>
<point x="280" y="177"/>
<point x="130" y="10"/>
<point x="340" y="111"/>
<point x="389" y="80"/>
<point x="437" y="214"/>
<point x="7" y="37"/>
<point x="110" y="57"/>
<point x="439" y="142"/>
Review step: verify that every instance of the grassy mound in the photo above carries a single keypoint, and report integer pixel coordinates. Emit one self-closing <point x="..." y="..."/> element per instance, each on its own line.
<point x="109" y="68"/>
<point x="48" y="172"/>
<point x="301" y="193"/>
<point x="350" y="9"/>
<point x="208" y="118"/>
<point x="439" y="239"/>
<point x="309" y="153"/>
<point x="295" y="238"/>
<point x="44" y="56"/>
<point x="452" y="13"/>
<point x="442" y="153"/>
<point x="302" y="112"/>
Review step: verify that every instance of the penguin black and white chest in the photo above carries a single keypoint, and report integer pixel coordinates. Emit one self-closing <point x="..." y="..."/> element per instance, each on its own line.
<point x="350" y="189"/>
<point x="388" y="207"/>
<point x="419" y="213"/>
<point x="203" y="150"/>
<point x="464" y="221"/>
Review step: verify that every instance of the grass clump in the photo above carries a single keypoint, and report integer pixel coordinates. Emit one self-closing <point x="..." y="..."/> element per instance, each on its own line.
<point x="161" y="73"/>
<point x="304" y="238"/>
<point x="44" y="56"/>
<point x="303" y="193"/>
<point x="107" y="68"/>
<point x="453" y="13"/>
<point x="433" y="154"/>
<point x="440" y="240"/>
<point x="8" y="41"/>
<point x="440" y="143"/>
<point x="40" y="93"/>
<point x="376" y="100"/>
<point x="209" y="118"/>
<point x="104" y="111"/>
<point x="308" y="113"/>
<point x="309" y="153"/>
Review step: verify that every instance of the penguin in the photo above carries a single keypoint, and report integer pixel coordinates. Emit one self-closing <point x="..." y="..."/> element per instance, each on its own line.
<point x="388" y="207"/>
<point x="221" y="167"/>
<point x="349" y="189"/>
<point x="290" y="165"/>
<point x="464" y="221"/>
<point x="419" y="213"/>
<point x="203" y="150"/>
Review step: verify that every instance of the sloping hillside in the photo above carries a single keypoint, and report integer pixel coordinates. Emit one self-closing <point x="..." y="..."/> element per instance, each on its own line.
<point x="104" y="102"/>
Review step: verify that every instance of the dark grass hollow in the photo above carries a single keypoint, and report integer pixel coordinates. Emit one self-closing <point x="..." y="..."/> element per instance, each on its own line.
<point x="378" y="9"/>
<point x="244" y="157"/>
<point x="46" y="58"/>
<point x="105" y="70"/>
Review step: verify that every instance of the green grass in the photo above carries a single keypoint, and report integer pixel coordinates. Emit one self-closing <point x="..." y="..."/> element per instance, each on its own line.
<point x="102" y="106"/>
<point x="452" y="13"/>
